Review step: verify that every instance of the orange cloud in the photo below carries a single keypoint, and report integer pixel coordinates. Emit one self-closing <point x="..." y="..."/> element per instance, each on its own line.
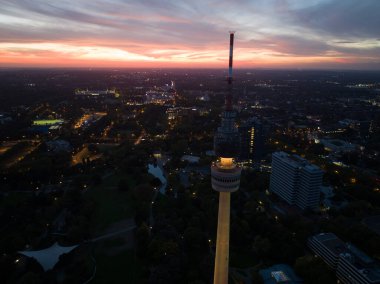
<point x="45" y="54"/>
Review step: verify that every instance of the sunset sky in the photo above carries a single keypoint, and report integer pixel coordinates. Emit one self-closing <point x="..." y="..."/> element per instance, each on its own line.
<point x="339" y="34"/>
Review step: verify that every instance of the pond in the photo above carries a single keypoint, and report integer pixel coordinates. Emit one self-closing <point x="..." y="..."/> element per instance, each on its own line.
<point x="157" y="172"/>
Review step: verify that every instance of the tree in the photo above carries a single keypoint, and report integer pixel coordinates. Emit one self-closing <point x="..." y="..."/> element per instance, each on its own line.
<point x="123" y="185"/>
<point x="144" y="193"/>
<point x="262" y="246"/>
<point x="195" y="240"/>
<point x="161" y="249"/>
<point x="142" y="214"/>
<point x="256" y="277"/>
<point x="97" y="179"/>
<point x="155" y="182"/>
<point x="30" y="278"/>
<point x="93" y="148"/>
<point x="168" y="271"/>
<point x="142" y="239"/>
<point x="313" y="270"/>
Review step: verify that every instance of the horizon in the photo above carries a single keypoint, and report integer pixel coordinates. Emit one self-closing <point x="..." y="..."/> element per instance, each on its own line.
<point x="287" y="34"/>
<point x="224" y="69"/>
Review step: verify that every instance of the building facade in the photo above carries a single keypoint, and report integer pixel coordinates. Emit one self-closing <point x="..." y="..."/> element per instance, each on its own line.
<point x="328" y="246"/>
<point x="295" y="180"/>
<point x="351" y="264"/>
<point x="251" y="140"/>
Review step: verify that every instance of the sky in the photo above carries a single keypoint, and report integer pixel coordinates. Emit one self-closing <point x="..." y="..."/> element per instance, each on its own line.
<point x="310" y="34"/>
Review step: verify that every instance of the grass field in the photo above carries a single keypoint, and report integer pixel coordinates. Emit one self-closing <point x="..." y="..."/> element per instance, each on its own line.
<point x="43" y="122"/>
<point x="242" y="259"/>
<point x="113" y="180"/>
<point x="120" y="268"/>
<point x="14" y="199"/>
<point x="112" y="205"/>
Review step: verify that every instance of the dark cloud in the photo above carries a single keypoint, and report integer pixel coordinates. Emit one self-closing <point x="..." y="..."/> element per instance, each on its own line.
<point x="146" y="21"/>
<point x="342" y="18"/>
<point x="291" y="45"/>
<point x="187" y="29"/>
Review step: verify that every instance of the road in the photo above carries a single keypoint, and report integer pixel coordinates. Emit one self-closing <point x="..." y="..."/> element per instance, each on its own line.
<point x="222" y="239"/>
<point x="139" y="139"/>
<point x="84" y="153"/>
<point x="109" y="235"/>
<point x="22" y="154"/>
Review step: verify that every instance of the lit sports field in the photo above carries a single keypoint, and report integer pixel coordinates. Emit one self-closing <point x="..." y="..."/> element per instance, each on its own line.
<point x="43" y="122"/>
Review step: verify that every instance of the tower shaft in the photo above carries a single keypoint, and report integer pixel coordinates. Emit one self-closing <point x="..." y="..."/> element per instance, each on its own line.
<point x="225" y="177"/>
<point x="222" y="239"/>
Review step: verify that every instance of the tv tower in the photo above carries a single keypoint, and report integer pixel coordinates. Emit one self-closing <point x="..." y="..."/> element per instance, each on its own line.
<point x="225" y="177"/>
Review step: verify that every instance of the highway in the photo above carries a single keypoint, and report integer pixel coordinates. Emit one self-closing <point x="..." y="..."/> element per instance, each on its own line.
<point x="18" y="157"/>
<point x="139" y="139"/>
<point x="222" y="239"/>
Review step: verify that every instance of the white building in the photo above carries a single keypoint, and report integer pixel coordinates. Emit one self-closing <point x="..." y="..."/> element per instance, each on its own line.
<point x="356" y="267"/>
<point x="337" y="145"/>
<point x="284" y="177"/>
<point x="295" y="180"/>
<point x="59" y="146"/>
<point x="328" y="246"/>
<point x="351" y="264"/>
<point x="309" y="187"/>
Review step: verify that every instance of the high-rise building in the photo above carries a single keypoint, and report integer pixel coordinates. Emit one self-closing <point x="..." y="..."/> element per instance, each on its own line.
<point x="251" y="140"/>
<point x="295" y="180"/>
<point x="309" y="187"/>
<point x="284" y="177"/>
<point x="351" y="264"/>
<point x="328" y="246"/>
<point x="356" y="267"/>
<point x="225" y="177"/>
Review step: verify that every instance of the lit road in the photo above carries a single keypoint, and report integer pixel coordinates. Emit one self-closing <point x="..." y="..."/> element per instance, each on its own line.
<point x="78" y="157"/>
<point x="139" y="139"/>
<point x="84" y="153"/>
<point x="109" y="235"/>
<point x="222" y="239"/>
<point x="22" y="154"/>
<point x="82" y="120"/>
<point x="107" y="130"/>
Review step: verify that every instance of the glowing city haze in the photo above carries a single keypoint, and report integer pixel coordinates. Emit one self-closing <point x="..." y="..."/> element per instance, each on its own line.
<point x="170" y="33"/>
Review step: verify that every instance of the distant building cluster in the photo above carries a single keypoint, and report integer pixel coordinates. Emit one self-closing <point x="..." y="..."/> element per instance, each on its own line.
<point x="88" y="119"/>
<point x="59" y="145"/>
<point x="96" y="93"/>
<point x="251" y="140"/>
<point x="4" y="118"/>
<point x="337" y="146"/>
<point x="295" y="180"/>
<point x="191" y="159"/>
<point x="176" y="113"/>
<point x="351" y="264"/>
<point x="46" y="125"/>
<point x="161" y="95"/>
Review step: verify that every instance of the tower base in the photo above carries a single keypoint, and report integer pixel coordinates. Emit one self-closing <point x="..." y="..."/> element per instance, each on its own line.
<point x="222" y="239"/>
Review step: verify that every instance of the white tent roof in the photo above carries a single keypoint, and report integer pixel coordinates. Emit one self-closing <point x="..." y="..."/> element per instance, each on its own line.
<point x="48" y="257"/>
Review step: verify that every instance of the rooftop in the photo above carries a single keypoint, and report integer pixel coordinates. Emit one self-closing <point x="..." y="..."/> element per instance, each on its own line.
<point x="332" y="242"/>
<point x="279" y="273"/>
<point x="362" y="262"/>
<point x="297" y="161"/>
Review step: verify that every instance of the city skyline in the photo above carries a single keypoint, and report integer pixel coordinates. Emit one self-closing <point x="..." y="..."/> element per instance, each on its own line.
<point x="272" y="34"/>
